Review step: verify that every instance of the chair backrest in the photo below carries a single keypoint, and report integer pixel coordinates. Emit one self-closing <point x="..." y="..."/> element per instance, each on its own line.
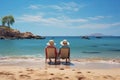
<point x="64" y="53"/>
<point x="51" y="52"/>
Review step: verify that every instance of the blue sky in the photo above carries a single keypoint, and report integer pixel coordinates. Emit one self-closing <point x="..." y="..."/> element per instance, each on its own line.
<point x="64" y="17"/>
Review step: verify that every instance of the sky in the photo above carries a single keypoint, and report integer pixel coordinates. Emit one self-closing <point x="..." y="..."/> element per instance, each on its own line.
<point x="64" y="17"/>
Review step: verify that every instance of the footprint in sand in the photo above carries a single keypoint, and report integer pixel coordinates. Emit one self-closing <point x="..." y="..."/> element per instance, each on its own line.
<point x="51" y="74"/>
<point x="81" y="77"/>
<point x="88" y="72"/>
<point x="7" y="76"/>
<point x="6" y="73"/>
<point x="66" y="77"/>
<point x="37" y="79"/>
<point x="79" y="72"/>
<point x="73" y="70"/>
<point x="61" y="69"/>
<point x="56" y="78"/>
<point x="20" y="72"/>
<point x="108" y="77"/>
<point x="24" y="76"/>
<point x="12" y="78"/>
<point x="30" y="71"/>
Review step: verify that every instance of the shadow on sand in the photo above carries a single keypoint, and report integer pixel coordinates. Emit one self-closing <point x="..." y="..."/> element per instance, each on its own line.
<point x="61" y="63"/>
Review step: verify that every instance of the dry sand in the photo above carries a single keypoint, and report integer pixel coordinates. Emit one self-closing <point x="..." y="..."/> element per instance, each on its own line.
<point x="21" y="73"/>
<point x="38" y="70"/>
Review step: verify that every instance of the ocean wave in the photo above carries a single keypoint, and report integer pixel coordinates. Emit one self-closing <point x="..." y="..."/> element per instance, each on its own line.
<point x="117" y="50"/>
<point x="91" y="52"/>
<point x="22" y="57"/>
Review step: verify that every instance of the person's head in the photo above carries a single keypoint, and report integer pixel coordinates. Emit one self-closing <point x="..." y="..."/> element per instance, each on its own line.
<point x="64" y="43"/>
<point x="51" y="43"/>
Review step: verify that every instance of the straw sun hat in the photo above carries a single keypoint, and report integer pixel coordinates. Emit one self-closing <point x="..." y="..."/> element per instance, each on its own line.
<point x="64" y="41"/>
<point x="51" y="41"/>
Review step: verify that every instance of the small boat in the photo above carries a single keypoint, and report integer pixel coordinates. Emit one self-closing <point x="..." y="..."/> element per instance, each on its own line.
<point x="85" y="37"/>
<point x="98" y="37"/>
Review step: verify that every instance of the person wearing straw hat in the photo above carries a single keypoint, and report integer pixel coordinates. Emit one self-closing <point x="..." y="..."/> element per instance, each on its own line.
<point x="64" y="44"/>
<point x="51" y="44"/>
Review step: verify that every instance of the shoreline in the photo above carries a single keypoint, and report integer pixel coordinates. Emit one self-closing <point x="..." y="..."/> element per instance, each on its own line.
<point x="78" y="69"/>
<point x="93" y="63"/>
<point x="116" y="60"/>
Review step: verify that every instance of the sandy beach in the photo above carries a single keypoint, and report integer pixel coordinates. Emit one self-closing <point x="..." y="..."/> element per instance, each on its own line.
<point x="37" y="69"/>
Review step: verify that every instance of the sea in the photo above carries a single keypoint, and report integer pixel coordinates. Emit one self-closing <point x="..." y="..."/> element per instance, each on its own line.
<point x="103" y="47"/>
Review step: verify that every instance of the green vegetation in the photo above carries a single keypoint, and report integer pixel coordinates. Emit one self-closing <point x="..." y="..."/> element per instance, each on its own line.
<point x="9" y="20"/>
<point x="7" y="32"/>
<point x="6" y="28"/>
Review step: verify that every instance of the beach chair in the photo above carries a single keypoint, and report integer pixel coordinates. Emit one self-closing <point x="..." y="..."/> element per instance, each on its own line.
<point x="64" y="53"/>
<point x="50" y="54"/>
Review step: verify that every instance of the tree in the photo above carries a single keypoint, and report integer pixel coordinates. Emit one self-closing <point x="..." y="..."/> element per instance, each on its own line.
<point x="3" y="22"/>
<point x="9" y="20"/>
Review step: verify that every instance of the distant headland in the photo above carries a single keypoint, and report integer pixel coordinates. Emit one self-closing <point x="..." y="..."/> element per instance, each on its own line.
<point x="9" y="33"/>
<point x="6" y="32"/>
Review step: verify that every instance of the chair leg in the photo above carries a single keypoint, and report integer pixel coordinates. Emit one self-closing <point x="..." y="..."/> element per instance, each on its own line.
<point x="50" y="60"/>
<point x="45" y="60"/>
<point x="59" y="61"/>
<point x="69" y="59"/>
<point x="66" y="60"/>
<point x="55" y="61"/>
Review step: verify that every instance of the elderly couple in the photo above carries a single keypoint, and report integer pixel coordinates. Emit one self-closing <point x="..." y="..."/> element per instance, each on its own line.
<point x="64" y="44"/>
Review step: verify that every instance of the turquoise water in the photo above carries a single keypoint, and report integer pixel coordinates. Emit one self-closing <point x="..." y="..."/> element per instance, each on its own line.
<point x="105" y="47"/>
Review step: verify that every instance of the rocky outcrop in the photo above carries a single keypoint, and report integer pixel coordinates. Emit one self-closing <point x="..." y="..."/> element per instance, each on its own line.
<point x="8" y="33"/>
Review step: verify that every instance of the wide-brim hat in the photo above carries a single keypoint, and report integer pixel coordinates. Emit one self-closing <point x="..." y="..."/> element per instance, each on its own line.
<point x="50" y="41"/>
<point x="64" y="41"/>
